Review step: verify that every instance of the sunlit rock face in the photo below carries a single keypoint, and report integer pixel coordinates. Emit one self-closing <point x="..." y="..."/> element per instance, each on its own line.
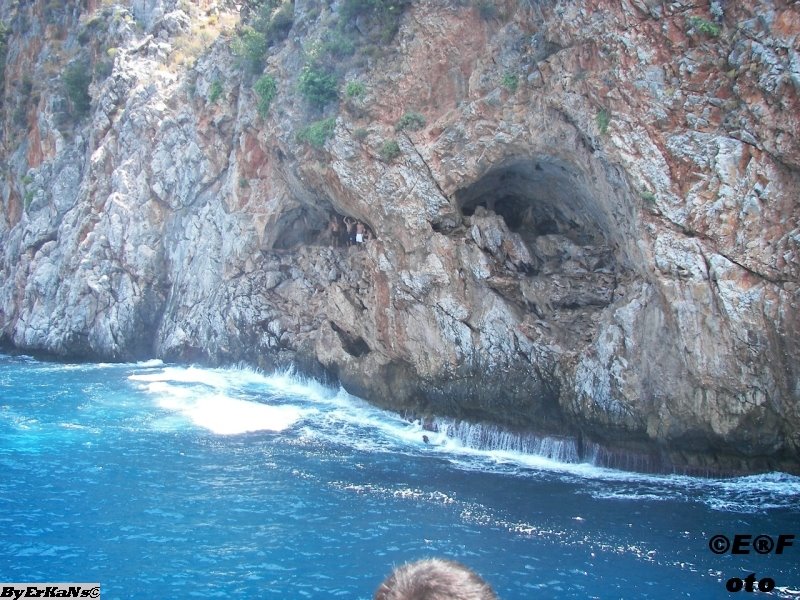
<point x="591" y="230"/>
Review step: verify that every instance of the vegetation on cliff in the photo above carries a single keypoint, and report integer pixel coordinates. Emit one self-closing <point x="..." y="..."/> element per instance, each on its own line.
<point x="269" y="22"/>
<point x="76" y="79"/>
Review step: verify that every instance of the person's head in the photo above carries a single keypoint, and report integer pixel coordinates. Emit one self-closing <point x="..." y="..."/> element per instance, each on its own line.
<point x="434" y="579"/>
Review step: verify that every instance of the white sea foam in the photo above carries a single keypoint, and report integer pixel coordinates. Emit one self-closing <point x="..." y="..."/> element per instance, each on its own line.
<point x="149" y="364"/>
<point x="603" y="495"/>
<point x="288" y="383"/>
<point x="207" y="377"/>
<point x="208" y="399"/>
<point x="224" y="401"/>
<point x="493" y="449"/>
<point x="224" y="415"/>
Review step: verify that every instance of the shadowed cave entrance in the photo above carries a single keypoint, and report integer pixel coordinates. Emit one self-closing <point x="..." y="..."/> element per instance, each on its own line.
<point x="312" y="225"/>
<point x="302" y="225"/>
<point x="540" y="197"/>
<point x="566" y="226"/>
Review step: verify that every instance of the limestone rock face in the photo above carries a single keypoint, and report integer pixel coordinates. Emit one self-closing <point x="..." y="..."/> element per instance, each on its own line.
<point x="592" y="230"/>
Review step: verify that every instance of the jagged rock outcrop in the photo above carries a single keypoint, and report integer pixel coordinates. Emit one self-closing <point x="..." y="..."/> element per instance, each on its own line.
<point x="592" y="228"/>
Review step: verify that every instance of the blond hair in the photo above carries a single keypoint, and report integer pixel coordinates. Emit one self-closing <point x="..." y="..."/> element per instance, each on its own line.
<point x="434" y="579"/>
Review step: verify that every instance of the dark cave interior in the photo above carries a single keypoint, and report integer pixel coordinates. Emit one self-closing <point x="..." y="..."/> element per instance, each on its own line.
<point x="564" y="224"/>
<point x="539" y="196"/>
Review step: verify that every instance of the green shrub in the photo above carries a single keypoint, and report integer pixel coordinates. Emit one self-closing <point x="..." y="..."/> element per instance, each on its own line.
<point x="76" y="82"/>
<point x="85" y="37"/>
<point x="411" y="121"/>
<point x="103" y="69"/>
<point x="337" y="44"/>
<point x="648" y="197"/>
<point x="703" y="26"/>
<point x="214" y="91"/>
<point x="319" y="131"/>
<point x="29" y="196"/>
<point x="355" y="89"/>
<point x="360" y="134"/>
<point x="275" y="24"/>
<point x="250" y="46"/>
<point x="266" y="88"/>
<point x="317" y="85"/>
<point x="389" y="150"/>
<point x="603" y="119"/>
<point x="354" y="92"/>
<point x="26" y="98"/>
<point x="280" y="23"/>
<point x="510" y="81"/>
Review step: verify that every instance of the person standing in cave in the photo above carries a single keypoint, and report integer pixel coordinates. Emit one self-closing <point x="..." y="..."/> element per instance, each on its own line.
<point x="359" y="232"/>
<point x="351" y="230"/>
<point x="334" y="231"/>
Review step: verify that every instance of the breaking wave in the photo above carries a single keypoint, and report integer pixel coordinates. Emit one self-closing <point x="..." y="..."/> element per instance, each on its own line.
<point x="242" y="400"/>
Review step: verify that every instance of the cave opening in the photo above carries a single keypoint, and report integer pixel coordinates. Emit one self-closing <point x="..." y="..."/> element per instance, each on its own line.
<point x="315" y="225"/>
<point x="538" y="197"/>
<point x="575" y="255"/>
<point x="299" y="226"/>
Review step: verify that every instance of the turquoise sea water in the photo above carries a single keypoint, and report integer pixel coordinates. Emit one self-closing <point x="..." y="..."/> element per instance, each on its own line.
<point x="176" y="482"/>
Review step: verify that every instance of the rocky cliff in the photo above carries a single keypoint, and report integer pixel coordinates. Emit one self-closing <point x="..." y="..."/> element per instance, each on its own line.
<point x="582" y="217"/>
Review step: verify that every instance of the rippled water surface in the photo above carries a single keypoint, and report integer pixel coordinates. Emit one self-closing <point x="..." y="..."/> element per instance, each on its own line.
<point x="179" y="482"/>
